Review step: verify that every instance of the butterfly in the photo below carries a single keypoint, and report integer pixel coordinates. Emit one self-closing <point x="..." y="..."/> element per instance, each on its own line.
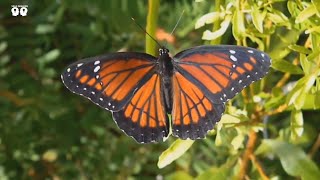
<point x="141" y="90"/>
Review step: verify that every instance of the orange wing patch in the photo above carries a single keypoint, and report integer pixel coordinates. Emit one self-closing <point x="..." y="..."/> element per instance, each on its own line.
<point x="212" y="70"/>
<point x="189" y="103"/>
<point x="120" y="77"/>
<point x="144" y="117"/>
<point x="146" y="108"/>
<point x="218" y="58"/>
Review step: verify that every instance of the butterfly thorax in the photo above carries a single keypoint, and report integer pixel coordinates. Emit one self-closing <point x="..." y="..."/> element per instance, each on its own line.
<point x="165" y="71"/>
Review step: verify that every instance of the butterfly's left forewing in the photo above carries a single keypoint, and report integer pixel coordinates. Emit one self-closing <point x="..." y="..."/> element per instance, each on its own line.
<point x="129" y="85"/>
<point x="110" y="80"/>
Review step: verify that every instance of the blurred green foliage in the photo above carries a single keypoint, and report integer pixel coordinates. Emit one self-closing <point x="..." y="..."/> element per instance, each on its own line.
<point x="270" y="130"/>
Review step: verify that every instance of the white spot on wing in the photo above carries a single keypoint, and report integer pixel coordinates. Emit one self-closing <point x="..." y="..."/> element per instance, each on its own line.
<point x="96" y="62"/>
<point x="101" y="99"/>
<point x="80" y="64"/>
<point x="262" y="55"/>
<point x="93" y="92"/>
<point x="97" y="76"/>
<point x="68" y="70"/>
<point x="233" y="58"/>
<point x="96" y="69"/>
<point x="250" y="51"/>
<point x="232" y="51"/>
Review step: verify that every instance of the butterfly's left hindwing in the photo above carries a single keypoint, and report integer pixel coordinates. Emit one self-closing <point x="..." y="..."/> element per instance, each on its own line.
<point x="144" y="117"/>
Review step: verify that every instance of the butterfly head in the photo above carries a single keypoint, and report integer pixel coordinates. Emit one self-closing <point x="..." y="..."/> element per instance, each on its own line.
<point x="163" y="51"/>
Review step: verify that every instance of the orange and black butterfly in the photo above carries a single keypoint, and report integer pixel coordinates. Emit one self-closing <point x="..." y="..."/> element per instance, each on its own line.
<point x="141" y="90"/>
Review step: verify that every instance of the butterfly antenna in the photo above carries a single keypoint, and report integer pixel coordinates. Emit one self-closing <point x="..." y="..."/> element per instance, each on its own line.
<point x="175" y="26"/>
<point x="145" y="32"/>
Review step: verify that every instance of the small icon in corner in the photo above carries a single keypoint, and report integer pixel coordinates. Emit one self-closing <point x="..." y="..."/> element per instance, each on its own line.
<point x="19" y="9"/>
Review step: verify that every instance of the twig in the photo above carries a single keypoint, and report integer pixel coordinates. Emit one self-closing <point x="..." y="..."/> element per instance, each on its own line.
<point x="15" y="99"/>
<point x="259" y="167"/>
<point x="246" y="156"/>
<point x="315" y="147"/>
<point x="287" y="75"/>
<point x="283" y="80"/>
<point x="280" y="109"/>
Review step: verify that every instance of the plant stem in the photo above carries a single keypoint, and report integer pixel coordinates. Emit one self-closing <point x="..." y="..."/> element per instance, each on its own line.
<point x="315" y="147"/>
<point x="152" y="21"/>
<point x="259" y="167"/>
<point x="217" y="23"/>
<point x="246" y="156"/>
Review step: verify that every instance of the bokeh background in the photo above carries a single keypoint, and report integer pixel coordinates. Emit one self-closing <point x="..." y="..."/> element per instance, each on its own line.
<point x="270" y="130"/>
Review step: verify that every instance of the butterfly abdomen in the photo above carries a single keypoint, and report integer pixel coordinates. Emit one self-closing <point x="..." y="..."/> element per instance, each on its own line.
<point x="166" y="70"/>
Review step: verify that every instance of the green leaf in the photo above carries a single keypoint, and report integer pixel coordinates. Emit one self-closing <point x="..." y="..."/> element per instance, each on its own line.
<point x="307" y="66"/>
<point x="207" y="19"/>
<point x="49" y="56"/>
<point x="298" y="94"/>
<point x="312" y="101"/>
<point x="300" y="49"/>
<point x="179" y="175"/>
<point x="208" y="35"/>
<point x="279" y="47"/>
<point x="296" y="124"/>
<point x="293" y="8"/>
<point x="3" y="46"/>
<point x="258" y="17"/>
<point x="304" y="91"/>
<point x="176" y="149"/>
<point x="293" y="159"/>
<point x="238" y="28"/>
<point x="313" y="29"/>
<point x="258" y="41"/>
<point x="45" y="28"/>
<point x="226" y="120"/>
<point x="237" y="141"/>
<point x="306" y="13"/>
<point x="279" y="18"/>
<point x="219" y="173"/>
<point x="285" y="66"/>
<point x="314" y="56"/>
<point x="316" y="4"/>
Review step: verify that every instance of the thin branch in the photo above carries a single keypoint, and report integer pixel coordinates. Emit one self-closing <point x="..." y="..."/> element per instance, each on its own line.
<point x="246" y="156"/>
<point x="280" y="109"/>
<point x="283" y="80"/>
<point x="315" y="147"/>
<point x="259" y="167"/>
